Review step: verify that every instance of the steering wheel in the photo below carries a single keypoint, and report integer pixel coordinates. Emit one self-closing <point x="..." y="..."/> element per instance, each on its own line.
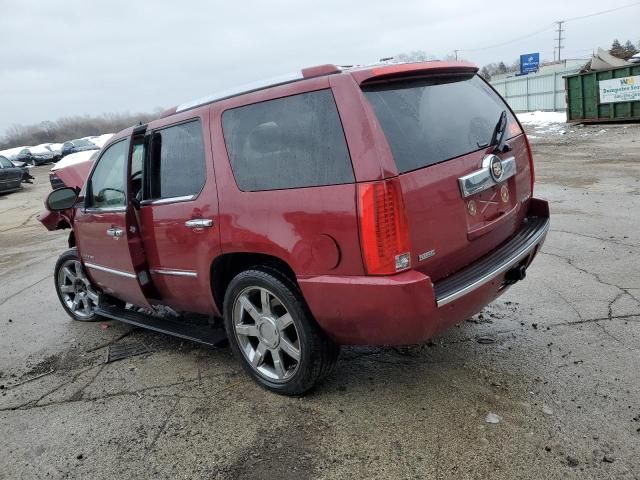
<point x="101" y="198"/>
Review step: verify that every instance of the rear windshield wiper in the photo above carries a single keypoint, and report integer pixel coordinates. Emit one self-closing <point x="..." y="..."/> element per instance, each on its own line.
<point x="497" y="138"/>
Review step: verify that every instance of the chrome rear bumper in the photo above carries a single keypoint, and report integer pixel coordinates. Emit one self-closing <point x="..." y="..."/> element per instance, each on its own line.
<point x="505" y="257"/>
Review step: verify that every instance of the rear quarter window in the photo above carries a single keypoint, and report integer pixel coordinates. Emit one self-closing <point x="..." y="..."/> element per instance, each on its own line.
<point x="428" y="121"/>
<point x="289" y="142"/>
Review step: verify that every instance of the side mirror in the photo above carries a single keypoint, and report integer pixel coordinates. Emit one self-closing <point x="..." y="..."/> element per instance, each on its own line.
<point x="61" y="199"/>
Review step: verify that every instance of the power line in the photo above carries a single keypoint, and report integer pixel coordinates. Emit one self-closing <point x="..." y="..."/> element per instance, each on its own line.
<point x="548" y="27"/>
<point x="595" y="14"/>
<point x="602" y="12"/>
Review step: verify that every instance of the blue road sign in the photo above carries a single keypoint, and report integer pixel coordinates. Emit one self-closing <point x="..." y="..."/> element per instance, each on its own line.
<point x="529" y="63"/>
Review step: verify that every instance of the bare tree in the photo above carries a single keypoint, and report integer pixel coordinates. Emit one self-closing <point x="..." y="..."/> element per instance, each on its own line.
<point x="485" y="73"/>
<point x="415" y="56"/>
<point x="68" y="128"/>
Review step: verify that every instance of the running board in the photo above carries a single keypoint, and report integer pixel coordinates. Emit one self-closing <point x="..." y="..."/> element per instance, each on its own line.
<point x="205" y="334"/>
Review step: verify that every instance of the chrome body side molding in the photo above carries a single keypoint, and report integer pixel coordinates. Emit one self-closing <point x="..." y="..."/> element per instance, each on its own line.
<point x="109" y="270"/>
<point x="175" y="273"/>
<point x="161" y="201"/>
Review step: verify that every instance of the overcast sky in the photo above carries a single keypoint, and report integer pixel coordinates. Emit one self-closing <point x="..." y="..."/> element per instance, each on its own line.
<point x="71" y="57"/>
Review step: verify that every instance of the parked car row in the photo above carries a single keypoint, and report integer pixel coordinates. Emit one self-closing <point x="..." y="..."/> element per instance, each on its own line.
<point x="53" y="152"/>
<point x="16" y="162"/>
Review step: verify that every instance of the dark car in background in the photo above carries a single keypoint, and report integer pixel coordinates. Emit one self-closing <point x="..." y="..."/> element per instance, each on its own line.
<point x="10" y="176"/>
<point x="78" y="145"/>
<point x="26" y="176"/>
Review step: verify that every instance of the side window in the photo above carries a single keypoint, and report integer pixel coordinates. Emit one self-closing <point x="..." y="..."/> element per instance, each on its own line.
<point x="106" y="188"/>
<point x="289" y="142"/>
<point x="177" y="162"/>
<point x="5" y="163"/>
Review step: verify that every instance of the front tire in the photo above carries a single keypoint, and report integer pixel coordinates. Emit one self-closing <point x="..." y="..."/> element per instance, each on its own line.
<point x="273" y="333"/>
<point x="75" y="292"/>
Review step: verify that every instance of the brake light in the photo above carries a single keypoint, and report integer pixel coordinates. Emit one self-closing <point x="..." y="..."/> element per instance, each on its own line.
<point x="531" y="165"/>
<point x="384" y="231"/>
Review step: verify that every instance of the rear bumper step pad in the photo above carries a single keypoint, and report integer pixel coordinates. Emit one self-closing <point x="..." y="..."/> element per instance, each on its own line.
<point x="503" y="258"/>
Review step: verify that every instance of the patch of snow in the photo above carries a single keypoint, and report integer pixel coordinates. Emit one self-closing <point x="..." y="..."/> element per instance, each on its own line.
<point x="39" y="150"/>
<point x="55" y="147"/>
<point x="11" y="152"/>
<point x="492" y="418"/>
<point x="100" y="140"/>
<point x="74" y="159"/>
<point x="542" y="118"/>
<point x="544" y="122"/>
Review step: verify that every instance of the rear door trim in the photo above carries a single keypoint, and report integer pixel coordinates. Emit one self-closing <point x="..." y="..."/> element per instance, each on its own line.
<point x="110" y="270"/>
<point x="481" y="180"/>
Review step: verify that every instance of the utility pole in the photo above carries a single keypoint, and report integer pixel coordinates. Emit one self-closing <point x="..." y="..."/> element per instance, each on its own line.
<point x="559" y="39"/>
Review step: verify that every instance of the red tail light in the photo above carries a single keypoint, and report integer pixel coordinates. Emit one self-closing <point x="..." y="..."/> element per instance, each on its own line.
<point x="531" y="166"/>
<point x="384" y="231"/>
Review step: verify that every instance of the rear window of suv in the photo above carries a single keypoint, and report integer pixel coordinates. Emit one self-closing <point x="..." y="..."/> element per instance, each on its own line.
<point x="428" y="121"/>
<point x="289" y="142"/>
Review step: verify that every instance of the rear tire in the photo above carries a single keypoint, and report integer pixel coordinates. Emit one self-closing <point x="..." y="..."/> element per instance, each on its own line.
<point x="75" y="292"/>
<point x="273" y="333"/>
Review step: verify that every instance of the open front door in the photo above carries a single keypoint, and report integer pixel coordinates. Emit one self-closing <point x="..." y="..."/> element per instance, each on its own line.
<point x="107" y="232"/>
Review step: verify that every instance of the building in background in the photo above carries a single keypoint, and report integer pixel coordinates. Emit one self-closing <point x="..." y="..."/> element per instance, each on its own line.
<point x="543" y="90"/>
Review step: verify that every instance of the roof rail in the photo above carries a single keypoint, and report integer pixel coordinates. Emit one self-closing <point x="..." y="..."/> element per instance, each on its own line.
<point x="308" y="72"/>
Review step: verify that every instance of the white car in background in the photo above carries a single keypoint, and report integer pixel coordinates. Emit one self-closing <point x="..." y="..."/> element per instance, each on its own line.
<point x="12" y="153"/>
<point x="60" y="176"/>
<point x="55" y="148"/>
<point x="100" y="140"/>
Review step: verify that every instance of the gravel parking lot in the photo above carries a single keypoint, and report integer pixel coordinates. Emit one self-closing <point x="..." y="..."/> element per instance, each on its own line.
<point x="554" y="362"/>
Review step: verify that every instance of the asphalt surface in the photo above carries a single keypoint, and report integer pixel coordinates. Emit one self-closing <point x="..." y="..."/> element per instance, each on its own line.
<point x="554" y="361"/>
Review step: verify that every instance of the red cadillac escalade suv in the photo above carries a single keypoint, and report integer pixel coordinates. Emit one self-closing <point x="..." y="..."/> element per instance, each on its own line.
<point x="374" y="205"/>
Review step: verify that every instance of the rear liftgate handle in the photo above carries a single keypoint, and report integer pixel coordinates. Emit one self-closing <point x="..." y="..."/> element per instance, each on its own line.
<point x="199" y="223"/>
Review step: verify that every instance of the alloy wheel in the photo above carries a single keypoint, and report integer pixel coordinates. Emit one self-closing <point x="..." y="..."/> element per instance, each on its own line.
<point x="266" y="334"/>
<point x="76" y="290"/>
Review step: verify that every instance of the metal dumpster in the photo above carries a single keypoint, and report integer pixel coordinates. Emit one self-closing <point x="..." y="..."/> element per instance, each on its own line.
<point x="604" y="96"/>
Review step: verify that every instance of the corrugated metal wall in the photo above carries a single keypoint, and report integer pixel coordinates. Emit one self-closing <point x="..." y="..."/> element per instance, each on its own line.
<point x="533" y="92"/>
